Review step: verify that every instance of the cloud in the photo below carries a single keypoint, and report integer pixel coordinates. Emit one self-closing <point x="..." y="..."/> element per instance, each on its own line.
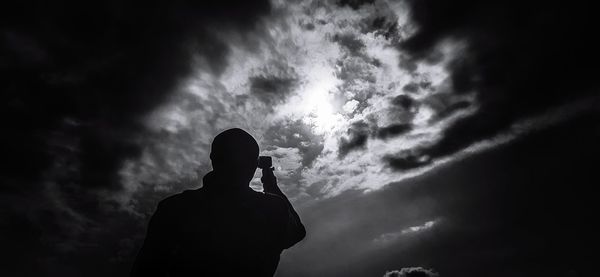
<point x="268" y="88"/>
<point x="297" y="134"/>
<point x="406" y="160"/>
<point x="393" y="130"/>
<point x="391" y="238"/>
<point x="355" y="4"/>
<point x="411" y="272"/>
<point x="287" y="168"/>
<point x="358" y="132"/>
<point x="419" y="228"/>
<point x="274" y="83"/>
<point x="351" y="43"/>
<point x="512" y="60"/>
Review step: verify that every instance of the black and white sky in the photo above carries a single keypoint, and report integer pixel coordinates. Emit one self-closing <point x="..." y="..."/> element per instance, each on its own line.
<point x="415" y="137"/>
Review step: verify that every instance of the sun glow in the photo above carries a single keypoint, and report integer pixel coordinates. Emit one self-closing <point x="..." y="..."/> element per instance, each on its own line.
<point x="312" y="102"/>
<point x="320" y="113"/>
<point x="316" y="104"/>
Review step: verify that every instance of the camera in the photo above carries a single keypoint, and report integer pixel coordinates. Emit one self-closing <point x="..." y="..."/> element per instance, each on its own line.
<point x="265" y="162"/>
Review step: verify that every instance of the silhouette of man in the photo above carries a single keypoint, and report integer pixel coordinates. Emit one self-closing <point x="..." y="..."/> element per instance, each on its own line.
<point x="224" y="228"/>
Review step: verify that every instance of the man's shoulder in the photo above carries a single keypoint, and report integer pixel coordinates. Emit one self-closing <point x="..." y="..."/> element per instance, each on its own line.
<point x="180" y="198"/>
<point x="188" y="197"/>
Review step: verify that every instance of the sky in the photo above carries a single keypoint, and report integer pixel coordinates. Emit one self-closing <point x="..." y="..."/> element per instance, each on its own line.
<point x="414" y="137"/>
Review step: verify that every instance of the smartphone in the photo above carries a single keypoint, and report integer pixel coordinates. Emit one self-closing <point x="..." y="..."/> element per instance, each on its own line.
<point x="265" y="162"/>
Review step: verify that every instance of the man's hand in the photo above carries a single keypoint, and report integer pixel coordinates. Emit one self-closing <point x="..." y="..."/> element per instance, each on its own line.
<point x="269" y="181"/>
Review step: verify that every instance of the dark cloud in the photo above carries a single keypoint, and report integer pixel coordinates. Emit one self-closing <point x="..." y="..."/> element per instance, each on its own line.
<point x="411" y="87"/>
<point x="350" y="42"/>
<point x="386" y="26"/>
<point x="446" y="104"/>
<point x="393" y="130"/>
<point x="296" y="134"/>
<point x="406" y="160"/>
<point x="403" y="108"/>
<point x="358" y="134"/>
<point x="519" y="59"/>
<point x="271" y="89"/>
<point x="77" y="80"/>
<point x="411" y="272"/>
<point x="414" y="87"/>
<point x="355" y="4"/>
<point x="308" y="26"/>
<point x="409" y="64"/>
<point x="274" y="82"/>
<point x="453" y="108"/>
<point x="403" y="101"/>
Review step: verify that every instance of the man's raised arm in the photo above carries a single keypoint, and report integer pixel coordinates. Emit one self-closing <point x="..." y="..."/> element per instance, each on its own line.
<point x="295" y="230"/>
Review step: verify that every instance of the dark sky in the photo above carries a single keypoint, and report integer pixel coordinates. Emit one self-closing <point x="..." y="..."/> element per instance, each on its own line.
<point x="521" y="209"/>
<point x="417" y="138"/>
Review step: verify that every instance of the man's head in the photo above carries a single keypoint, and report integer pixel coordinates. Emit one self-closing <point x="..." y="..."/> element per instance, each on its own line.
<point x="234" y="153"/>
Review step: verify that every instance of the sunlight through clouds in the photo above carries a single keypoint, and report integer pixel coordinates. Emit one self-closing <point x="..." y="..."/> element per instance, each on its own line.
<point x="333" y="70"/>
